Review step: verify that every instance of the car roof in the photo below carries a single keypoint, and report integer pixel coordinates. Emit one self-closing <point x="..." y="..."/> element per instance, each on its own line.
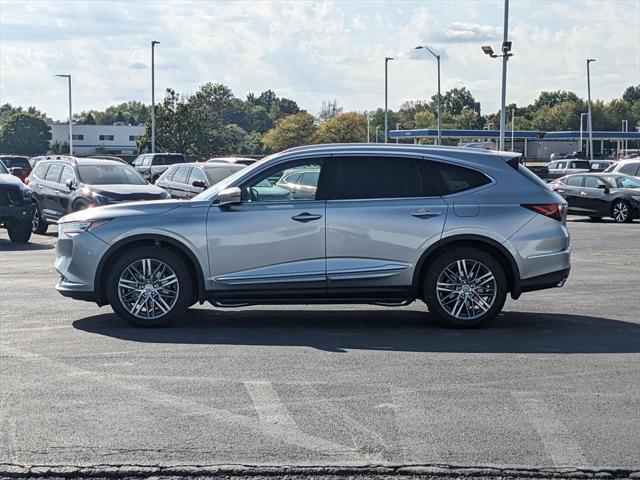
<point x="82" y="161"/>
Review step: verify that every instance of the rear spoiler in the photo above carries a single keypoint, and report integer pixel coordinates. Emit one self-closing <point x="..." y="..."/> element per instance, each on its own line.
<point x="514" y="161"/>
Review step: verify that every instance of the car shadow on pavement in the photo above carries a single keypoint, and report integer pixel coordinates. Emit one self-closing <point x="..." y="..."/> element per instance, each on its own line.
<point x="7" y="246"/>
<point x="400" y="330"/>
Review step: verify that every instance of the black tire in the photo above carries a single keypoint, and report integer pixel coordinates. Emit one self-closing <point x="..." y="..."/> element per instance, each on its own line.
<point x="19" y="232"/>
<point x="485" y="263"/>
<point x="621" y="212"/>
<point x="38" y="224"/>
<point x="156" y="254"/>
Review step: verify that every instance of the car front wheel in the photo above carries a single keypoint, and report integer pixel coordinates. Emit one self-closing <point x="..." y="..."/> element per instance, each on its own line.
<point x="465" y="288"/>
<point x="19" y="232"/>
<point x="149" y="286"/>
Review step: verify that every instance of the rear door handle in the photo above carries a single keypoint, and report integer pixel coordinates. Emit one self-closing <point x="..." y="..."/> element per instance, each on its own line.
<point x="426" y="213"/>
<point x="306" y="217"/>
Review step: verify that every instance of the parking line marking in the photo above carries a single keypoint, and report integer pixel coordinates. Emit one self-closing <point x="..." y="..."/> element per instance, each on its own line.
<point x="556" y="437"/>
<point x="275" y="417"/>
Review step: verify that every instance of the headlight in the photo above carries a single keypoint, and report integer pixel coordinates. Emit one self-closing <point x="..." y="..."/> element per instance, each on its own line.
<point x="81" y="226"/>
<point x="100" y="199"/>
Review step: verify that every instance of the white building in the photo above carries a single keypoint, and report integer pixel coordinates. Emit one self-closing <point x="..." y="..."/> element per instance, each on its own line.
<point x="92" y="139"/>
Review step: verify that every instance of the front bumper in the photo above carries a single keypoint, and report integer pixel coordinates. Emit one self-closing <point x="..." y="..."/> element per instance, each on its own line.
<point x="17" y="212"/>
<point x="77" y="258"/>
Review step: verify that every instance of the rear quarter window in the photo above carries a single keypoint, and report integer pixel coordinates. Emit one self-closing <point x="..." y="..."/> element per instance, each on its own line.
<point x="456" y="179"/>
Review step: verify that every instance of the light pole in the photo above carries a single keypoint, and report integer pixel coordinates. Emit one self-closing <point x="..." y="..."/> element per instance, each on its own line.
<point x="419" y="47"/>
<point x="68" y="77"/>
<point x="368" y="127"/>
<point x="589" y="123"/>
<point x="377" y="130"/>
<point x="153" y="96"/>
<point x="397" y="128"/>
<point x="581" y="116"/>
<point x="506" y="48"/>
<point x="625" y="128"/>
<point x="386" y="128"/>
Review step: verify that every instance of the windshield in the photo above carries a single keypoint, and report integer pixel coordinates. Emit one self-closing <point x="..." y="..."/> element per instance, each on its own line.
<point x="109" y="175"/>
<point x="624" y="182"/>
<point x="3" y="169"/>
<point x="212" y="191"/>
<point x="21" y="162"/>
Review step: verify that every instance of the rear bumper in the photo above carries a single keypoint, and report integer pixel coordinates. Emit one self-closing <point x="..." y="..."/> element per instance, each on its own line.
<point x="542" y="282"/>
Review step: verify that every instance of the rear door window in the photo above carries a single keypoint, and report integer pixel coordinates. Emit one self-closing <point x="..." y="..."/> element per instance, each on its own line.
<point x="575" y="181"/>
<point x="561" y="165"/>
<point x="53" y="174"/>
<point x="593" y="182"/>
<point x="371" y="177"/>
<point x="168" y="175"/>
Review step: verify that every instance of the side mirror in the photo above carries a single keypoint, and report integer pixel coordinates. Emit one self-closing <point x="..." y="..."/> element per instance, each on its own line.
<point x="198" y="184"/>
<point x="603" y="187"/>
<point x="16" y="171"/>
<point x="230" y="196"/>
<point x="70" y="185"/>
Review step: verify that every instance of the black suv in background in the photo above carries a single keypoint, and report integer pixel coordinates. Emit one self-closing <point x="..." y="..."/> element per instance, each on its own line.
<point x="189" y="179"/>
<point x="69" y="184"/>
<point x="16" y="207"/>
<point x="17" y="165"/>
<point x="152" y="165"/>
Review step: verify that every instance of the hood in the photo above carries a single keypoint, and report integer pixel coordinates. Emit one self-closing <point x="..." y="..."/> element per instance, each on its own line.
<point x="127" y="192"/>
<point x="8" y="179"/>
<point x="124" y="210"/>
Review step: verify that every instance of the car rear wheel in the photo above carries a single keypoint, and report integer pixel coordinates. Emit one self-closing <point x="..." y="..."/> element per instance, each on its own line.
<point x="621" y="212"/>
<point x="149" y="286"/>
<point x="38" y="224"/>
<point x="19" y="232"/>
<point x="465" y="288"/>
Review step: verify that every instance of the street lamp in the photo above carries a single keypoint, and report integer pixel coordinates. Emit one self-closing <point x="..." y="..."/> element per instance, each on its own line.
<point x="420" y="47"/>
<point x="386" y="128"/>
<point x="68" y="77"/>
<point x="589" y="122"/>
<point x="506" y="49"/>
<point x="398" y="128"/>
<point x="368" y="127"/>
<point x="513" y="126"/>
<point x="625" y="128"/>
<point x="153" y="97"/>
<point x="377" y="130"/>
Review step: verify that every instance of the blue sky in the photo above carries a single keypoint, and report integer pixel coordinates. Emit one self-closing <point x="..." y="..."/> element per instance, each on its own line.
<point x="311" y="51"/>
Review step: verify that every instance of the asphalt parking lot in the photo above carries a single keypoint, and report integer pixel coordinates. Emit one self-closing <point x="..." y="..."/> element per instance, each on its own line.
<point x="554" y="382"/>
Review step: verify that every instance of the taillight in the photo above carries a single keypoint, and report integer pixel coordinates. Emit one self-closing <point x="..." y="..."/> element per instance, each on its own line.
<point x="551" y="210"/>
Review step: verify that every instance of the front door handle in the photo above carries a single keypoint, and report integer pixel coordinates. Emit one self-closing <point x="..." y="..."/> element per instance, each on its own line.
<point x="306" y="217"/>
<point x="584" y="194"/>
<point x="426" y="213"/>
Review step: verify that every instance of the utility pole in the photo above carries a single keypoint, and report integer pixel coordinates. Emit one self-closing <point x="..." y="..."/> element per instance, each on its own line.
<point x="419" y="47"/>
<point x="581" y="116"/>
<point x="153" y="97"/>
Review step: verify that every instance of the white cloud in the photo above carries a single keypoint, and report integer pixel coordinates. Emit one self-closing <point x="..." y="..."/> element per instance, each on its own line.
<point x="310" y="51"/>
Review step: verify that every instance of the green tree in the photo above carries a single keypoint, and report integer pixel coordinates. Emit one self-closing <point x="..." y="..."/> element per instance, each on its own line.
<point x="329" y="110"/>
<point x="251" y="144"/>
<point x="59" y="147"/>
<point x="291" y="131"/>
<point x="350" y="127"/>
<point x="455" y="100"/>
<point x="551" y="99"/>
<point x="25" y="133"/>
<point x="425" y="119"/>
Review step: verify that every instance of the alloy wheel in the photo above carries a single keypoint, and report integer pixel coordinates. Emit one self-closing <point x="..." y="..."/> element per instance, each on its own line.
<point x="148" y="288"/>
<point x="466" y="289"/>
<point x="35" y="221"/>
<point x="620" y="211"/>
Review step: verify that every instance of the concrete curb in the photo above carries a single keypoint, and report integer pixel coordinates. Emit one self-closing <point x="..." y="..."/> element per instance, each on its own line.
<point x="157" y="472"/>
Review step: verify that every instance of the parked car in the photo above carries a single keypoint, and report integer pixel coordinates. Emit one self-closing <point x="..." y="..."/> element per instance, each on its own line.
<point x="560" y="168"/>
<point x="459" y="228"/>
<point x="17" y="165"/>
<point x="152" y="165"/>
<point x="600" y="165"/>
<point x="242" y="160"/>
<point x="301" y="182"/>
<point x="189" y="179"/>
<point x="626" y="167"/>
<point x="16" y="206"/>
<point x="70" y="184"/>
<point x="598" y="195"/>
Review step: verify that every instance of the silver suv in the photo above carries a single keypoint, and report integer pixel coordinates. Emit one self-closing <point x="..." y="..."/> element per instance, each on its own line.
<point x="458" y="228"/>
